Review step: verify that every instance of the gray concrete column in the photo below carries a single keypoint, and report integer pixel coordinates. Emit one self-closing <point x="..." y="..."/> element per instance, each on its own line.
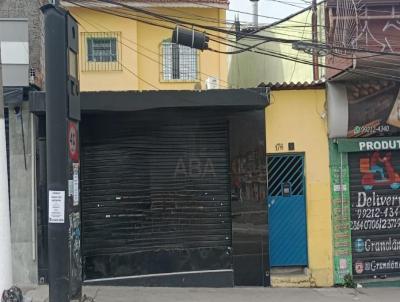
<point x="23" y="220"/>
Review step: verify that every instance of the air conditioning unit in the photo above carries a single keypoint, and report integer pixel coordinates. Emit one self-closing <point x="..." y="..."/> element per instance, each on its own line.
<point x="212" y="83"/>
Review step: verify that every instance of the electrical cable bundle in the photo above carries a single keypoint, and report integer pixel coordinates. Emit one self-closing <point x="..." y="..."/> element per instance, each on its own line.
<point x="221" y="35"/>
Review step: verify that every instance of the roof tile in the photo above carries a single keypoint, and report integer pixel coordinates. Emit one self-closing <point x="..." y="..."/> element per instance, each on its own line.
<point x="294" y="86"/>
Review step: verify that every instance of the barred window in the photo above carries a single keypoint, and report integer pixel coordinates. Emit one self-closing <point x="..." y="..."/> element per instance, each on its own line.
<point x="102" y="51"/>
<point x="179" y="62"/>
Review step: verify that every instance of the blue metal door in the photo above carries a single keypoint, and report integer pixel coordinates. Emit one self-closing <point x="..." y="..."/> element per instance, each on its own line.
<point x="287" y="210"/>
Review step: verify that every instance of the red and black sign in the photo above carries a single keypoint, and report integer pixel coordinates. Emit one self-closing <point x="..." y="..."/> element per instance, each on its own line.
<point x="73" y="141"/>
<point x="375" y="213"/>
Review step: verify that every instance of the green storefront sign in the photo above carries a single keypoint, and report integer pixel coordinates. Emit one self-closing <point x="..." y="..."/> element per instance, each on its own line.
<point x="340" y="213"/>
<point x="368" y="144"/>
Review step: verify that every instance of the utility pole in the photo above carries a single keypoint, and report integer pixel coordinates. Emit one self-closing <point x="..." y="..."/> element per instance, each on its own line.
<point x="62" y="137"/>
<point x="5" y="228"/>
<point x="314" y="24"/>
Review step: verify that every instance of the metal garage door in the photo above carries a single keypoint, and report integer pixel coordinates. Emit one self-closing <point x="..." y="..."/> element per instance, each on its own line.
<point x="155" y="197"/>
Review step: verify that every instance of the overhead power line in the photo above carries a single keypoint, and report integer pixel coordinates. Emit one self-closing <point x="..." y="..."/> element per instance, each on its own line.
<point x="273" y="54"/>
<point x="293" y="4"/>
<point x="128" y="69"/>
<point x="175" y="17"/>
<point x="215" y="38"/>
<point x="263" y="52"/>
<point x="251" y="14"/>
<point x="230" y="23"/>
<point x="102" y="27"/>
<point x="248" y="47"/>
<point x="230" y="32"/>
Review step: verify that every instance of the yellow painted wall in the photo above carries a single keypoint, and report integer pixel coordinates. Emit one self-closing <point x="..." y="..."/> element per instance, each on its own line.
<point x="141" y="55"/>
<point x="299" y="116"/>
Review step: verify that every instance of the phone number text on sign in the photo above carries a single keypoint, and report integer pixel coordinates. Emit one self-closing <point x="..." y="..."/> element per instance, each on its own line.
<point x="375" y="224"/>
<point x="389" y="212"/>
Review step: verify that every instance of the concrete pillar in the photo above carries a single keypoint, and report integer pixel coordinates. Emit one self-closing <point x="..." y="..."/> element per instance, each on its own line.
<point x="5" y="240"/>
<point x="23" y="208"/>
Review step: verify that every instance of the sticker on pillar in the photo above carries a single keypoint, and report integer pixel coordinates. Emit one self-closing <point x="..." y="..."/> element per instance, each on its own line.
<point x="75" y="184"/>
<point x="73" y="143"/>
<point x="70" y="187"/>
<point x="359" y="267"/>
<point x="75" y="245"/>
<point x="343" y="264"/>
<point x="56" y="206"/>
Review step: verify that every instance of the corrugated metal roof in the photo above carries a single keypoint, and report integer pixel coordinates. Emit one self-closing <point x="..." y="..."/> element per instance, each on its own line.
<point x="294" y="86"/>
<point x="369" y="68"/>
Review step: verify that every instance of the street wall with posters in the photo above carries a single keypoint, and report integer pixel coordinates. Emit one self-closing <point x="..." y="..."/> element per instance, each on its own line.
<point x="73" y="198"/>
<point x="368" y="108"/>
<point x="375" y="212"/>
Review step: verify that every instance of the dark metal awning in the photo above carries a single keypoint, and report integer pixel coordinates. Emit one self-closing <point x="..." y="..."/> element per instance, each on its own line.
<point x="382" y="68"/>
<point x="105" y="101"/>
<point x="15" y="95"/>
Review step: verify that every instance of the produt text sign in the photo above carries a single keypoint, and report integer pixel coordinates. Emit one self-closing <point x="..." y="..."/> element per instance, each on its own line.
<point x="368" y="144"/>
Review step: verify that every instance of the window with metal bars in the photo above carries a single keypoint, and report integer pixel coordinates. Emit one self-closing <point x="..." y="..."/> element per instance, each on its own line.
<point x="179" y="63"/>
<point x="103" y="51"/>
<point x="286" y="169"/>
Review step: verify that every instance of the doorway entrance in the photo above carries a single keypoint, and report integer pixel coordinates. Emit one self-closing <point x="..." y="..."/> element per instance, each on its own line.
<point x="287" y="211"/>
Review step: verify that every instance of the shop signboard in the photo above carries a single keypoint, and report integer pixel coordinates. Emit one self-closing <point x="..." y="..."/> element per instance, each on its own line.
<point x="375" y="212"/>
<point x="368" y="144"/>
<point x="369" y="108"/>
<point x="374" y="108"/>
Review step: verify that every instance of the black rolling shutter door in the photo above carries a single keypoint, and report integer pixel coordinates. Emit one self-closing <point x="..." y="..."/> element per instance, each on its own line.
<point x="156" y="199"/>
<point x="375" y="213"/>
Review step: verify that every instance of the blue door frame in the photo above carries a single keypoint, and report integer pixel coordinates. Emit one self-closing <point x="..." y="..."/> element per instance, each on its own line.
<point x="287" y="210"/>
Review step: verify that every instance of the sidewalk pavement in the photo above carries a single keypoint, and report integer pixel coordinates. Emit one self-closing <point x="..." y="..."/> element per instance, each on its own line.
<point x="245" y="294"/>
